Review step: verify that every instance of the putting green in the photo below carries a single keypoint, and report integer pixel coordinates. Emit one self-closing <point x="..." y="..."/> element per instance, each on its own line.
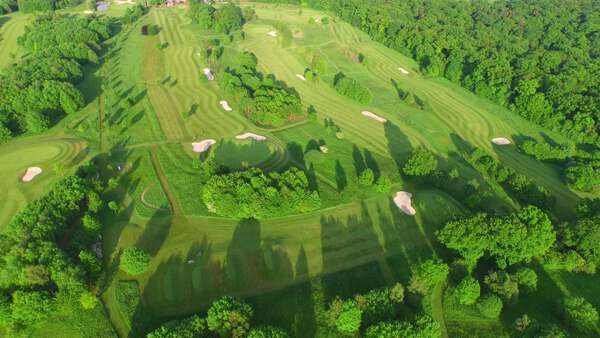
<point x="48" y="153"/>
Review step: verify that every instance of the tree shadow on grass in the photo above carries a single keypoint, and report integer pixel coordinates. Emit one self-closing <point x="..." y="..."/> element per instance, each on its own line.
<point x="341" y="179"/>
<point x="350" y="250"/>
<point x="244" y="263"/>
<point x="398" y="144"/>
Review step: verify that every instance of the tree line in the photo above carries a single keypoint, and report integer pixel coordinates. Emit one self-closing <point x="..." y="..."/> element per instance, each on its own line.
<point x="40" y="89"/>
<point x="225" y="19"/>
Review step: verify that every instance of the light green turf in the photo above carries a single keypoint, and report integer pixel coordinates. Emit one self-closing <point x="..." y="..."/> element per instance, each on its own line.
<point x="11" y="27"/>
<point x="230" y="258"/>
<point x="45" y="152"/>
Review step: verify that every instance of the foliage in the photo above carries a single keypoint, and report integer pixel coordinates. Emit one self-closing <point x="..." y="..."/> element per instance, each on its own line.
<point x="267" y="331"/>
<point x="352" y="89"/>
<point x="88" y="300"/>
<point x="490" y="306"/>
<point x="468" y="291"/>
<point x="423" y="327"/>
<point x="540" y="60"/>
<point x="349" y="319"/>
<point x="229" y="317"/>
<point x="546" y="151"/>
<point x="580" y="314"/>
<point x="527" y="278"/>
<point x="502" y="284"/>
<point x="583" y="236"/>
<point x="134" y="261"/>
<point x="420" y="163"/>
<point x="583" y="176"/>
<point x="427" y="275"/>
<point x="192" y="327"/>
<point x="383" y="184"/>
<point x="29" y="308"/>
<point x="510" y="240"/>
<point x="366" y="178"/>
<point x="264" y="100"/>
<point x="225" y="19"/>
<point x="40" y="89"/>
<point x="133" y="13"/>
<point x="252" y="193"/>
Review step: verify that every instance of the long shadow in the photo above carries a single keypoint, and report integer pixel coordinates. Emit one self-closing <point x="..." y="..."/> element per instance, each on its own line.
<point x="244" y="262"/>
<point x="348" y="242"/>
<point x="398" y="144"/>
<point x="155" y="232"/>
<point x="372" y="164"/>
<point x="341" y="179"/>
<point x="359" y="161"/>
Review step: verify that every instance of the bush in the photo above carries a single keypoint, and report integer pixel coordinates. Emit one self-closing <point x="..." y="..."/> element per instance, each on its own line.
<point x="383" y="184"/>
<point x="366" y="178"/>
<point x="421" y="162"/>
<point x="527" y="277"/>
<point x="490" y="306"/>
<point x="134" y="261"/>
<point x="349" y="319"/>
<point x="580" y="314"/>
<point x="468" y="291"/>
<point x="229" y="317"/>
<point x="427" y="275"/>
<point x="267" y="332"/>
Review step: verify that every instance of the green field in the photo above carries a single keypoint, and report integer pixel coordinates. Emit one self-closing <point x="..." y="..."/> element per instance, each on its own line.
<point x="359" y="240"/>
<point x="197" y="258"/>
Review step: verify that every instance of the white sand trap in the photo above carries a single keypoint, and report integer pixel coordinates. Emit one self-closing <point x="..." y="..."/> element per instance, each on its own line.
<point x="404" y="202"/>
<point x="88" y="12"/>
<point x="273" y="34"/>
<point x="202" y="146"/>
<point x="31" y="173"/>
<point x="403" y="71"/>
<point x="252" y="136"/>
<point x="301" y="77"/>
<point x="127" y="2"/>
<point x="209" y="74"/>
<point x="374" y="117"/>
<point x="324" y="149"/>
<point x="501" y="141"/>
<point x="225" y="105"/>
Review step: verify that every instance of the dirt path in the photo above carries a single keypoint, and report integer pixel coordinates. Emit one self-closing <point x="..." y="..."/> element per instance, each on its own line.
<point x="175" y="207"/>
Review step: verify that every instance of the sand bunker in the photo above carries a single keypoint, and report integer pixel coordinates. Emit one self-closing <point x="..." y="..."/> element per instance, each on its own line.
<point x="202" y="146"/>
<point x="31" y="173"/>
<point x="225" y="105"/>
<point x="273" y="34"/>
<point x="324" y="149"/>
<point x="501" y="141"/>
<point x="126" y="2"/>
<point x="252" y="136"/>
<point x="209" y="74"/>
<point x="88" y="12"/>
<point x="374" y="117"/>
<point x="301" y="77"/>
<point x="403" y="71"/>
<point x="403" y="202"/>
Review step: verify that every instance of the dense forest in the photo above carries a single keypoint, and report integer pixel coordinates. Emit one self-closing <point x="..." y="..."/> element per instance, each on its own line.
<point x="539" y="59"/>
<point x="47" y="263"/>
<point x="40" y="89"/>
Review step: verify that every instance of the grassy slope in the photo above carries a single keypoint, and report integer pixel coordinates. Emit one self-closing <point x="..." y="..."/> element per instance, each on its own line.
<point x="11" y="27"/>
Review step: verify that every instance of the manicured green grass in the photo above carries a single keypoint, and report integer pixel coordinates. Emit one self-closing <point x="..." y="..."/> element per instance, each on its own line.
<point x="11" y="27"/>
<point x="47" y="152"/>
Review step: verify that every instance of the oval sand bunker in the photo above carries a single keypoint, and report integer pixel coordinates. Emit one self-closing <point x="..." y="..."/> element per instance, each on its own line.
<point x="501" y="141"/>
<point x="252" y="136"/>
<point x="404" y="202"/>
<point x="31" y="173"/>
<point x="202" y="146"/>
<point x="374" y="117"/>
<point x="301" y="77"/>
